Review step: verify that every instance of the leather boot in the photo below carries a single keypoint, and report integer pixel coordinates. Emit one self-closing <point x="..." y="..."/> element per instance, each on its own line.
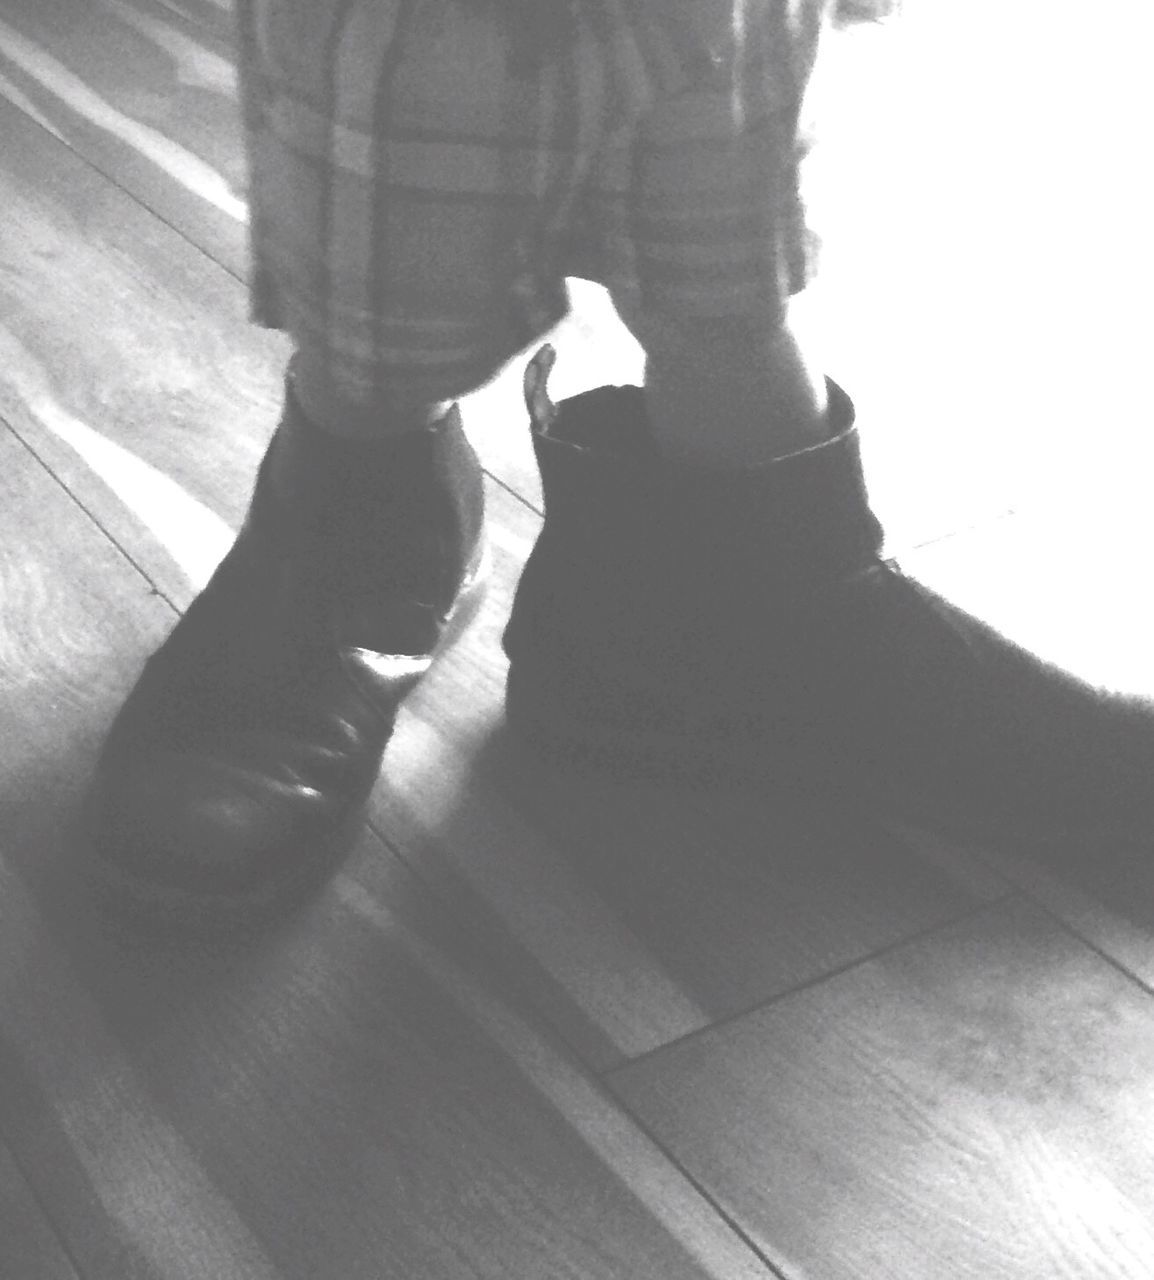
<point x="745" y="626"/>
<point x="236" y="773"/>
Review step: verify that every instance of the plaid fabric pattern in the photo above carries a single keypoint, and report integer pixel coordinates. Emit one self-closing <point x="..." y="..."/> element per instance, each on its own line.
<point x="425" y="173"/>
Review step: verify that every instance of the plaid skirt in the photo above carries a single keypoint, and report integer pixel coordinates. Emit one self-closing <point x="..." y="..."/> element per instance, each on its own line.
<point x="424" y="174"/>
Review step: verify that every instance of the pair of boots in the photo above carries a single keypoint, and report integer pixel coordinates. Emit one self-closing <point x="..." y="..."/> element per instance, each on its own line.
<point x="669" y="624"/>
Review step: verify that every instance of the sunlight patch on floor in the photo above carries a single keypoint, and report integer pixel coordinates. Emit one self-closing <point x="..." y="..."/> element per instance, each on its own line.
<point x="193" y="535"/>
<point x="193" y="173"/>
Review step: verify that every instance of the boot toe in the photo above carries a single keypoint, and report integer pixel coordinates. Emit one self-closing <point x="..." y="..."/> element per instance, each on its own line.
<point x="201" y="834"/>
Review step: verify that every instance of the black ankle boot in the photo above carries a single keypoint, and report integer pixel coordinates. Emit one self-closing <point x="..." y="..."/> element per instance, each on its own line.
<point x="744" y="627"/>
<point x="236" y="772"/>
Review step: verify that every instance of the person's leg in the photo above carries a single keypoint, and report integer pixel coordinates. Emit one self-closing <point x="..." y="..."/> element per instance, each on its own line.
<point x="721" y="243"/>
<point x="394" y="219"/>
<point x="730" y="393"/>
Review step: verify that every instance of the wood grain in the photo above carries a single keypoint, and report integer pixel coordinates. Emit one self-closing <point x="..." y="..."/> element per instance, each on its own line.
<point x="331" y="1101"/>
<point x="76" y="616"/>
<point x="29" y="1248"/>
<point x="148" y="94"/>
<point x="1108" y="901"/>
<point x="969" y="1105"/>
<point x="75" y="621"/>
<point x="127" y="360"/>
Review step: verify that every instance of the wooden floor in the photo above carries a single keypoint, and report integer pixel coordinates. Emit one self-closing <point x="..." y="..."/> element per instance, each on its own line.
<point x="541" y="1028"/>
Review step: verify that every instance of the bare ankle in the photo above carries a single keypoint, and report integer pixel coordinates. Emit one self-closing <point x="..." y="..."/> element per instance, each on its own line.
<point x="731" y="393"/>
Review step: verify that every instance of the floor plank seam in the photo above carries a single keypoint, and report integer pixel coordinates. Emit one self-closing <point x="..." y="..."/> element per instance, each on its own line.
<point x="206" y="254"/>
<point x="491" y="990"/>
<point x="155" y="587"/>
<point x="1035" y="1158"/>
<point x="779" y="1268"/>
<point x="93" y="519"/>
<point x="481" y="935"/>
<point x="537" y="510"/>
<point x="728" y="1019"/>
<point x="1029" y="881"/>
<point x="1039" y="902"/>
<point x="97" y="167"/>
<point x="43" y="1204"/>
<point x="44" y="128"/>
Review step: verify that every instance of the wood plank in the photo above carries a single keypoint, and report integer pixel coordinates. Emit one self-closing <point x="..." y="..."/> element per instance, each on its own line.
<point x="148" y="94"/>
<point x="29" y="1248"/>
<point x="127" y="361"/>
<point x="968" y="1105"/>
<point x="75" y="620"/>
<point x="343" y="1097"/>
<point x="1106" y="900"/>
<point x="347" y="1093"/>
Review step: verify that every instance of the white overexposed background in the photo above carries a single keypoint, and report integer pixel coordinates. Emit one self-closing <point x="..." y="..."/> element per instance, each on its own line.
<point x="983" y="191"/>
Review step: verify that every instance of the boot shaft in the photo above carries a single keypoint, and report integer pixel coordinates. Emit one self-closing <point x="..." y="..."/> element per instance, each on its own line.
<point x="641" y="558"/>
<point x="373" y="539"/>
